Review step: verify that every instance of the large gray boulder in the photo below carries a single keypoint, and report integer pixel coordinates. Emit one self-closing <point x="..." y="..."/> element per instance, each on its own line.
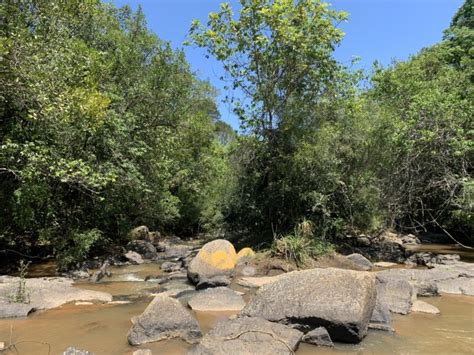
<point x="164" y="318"/>
<point x="217" y="299"/>
<point x="248" y="336"/>
<point x="215" y="258"/>
<point x="340" y="300"/>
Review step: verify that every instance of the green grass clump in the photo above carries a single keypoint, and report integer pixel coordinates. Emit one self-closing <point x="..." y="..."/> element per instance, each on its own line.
<point x="301" y="246"/>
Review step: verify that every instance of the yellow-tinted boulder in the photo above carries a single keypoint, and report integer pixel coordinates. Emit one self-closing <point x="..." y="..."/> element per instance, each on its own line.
<point x="245" y="253"/>
<point x="215" y="258"/>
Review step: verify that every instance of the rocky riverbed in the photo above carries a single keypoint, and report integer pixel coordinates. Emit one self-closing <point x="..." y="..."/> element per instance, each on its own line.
<point x="178" y="297"/>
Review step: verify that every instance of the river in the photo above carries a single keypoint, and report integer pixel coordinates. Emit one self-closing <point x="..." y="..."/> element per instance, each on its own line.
<point x="102" y="328"/>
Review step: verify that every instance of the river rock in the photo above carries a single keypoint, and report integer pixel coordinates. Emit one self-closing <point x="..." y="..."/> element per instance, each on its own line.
<point x="340" y="300"/>
<point x="245" y="255"/>
<point x="398" y="295"/>
<point x="385" y="264"/>
<point x="387" y="246"/>
<point x="45" y="293"/>
<point x="178" y="252"/>
<point x="381" y="317"/>
<point x="74" y="351"/>
<point x="215" y="258"/>
<point x="361" y="261"/>
<point x="318" y="337"/>
<point x="421" y="306"/>
<point x="248" y="336"/>
<point x="141" y="233"/>
<point x="426" y="288"/>
<point x="409" y="239"/>
<point x="146" y="249"/>
<point x="431" y="259"/>
<point x="134" y="257"/>
<point x="14" y="310"/>
<point x="457" y="278"/>
<point x="142" y="352"/>
<point x="175" y="286"/>
<point x="79" y="274"/>
<point x="101" y="273"/>
<point x="164" y="318"/>
<point x="256" y="282"/>
<point x="169" y="266"/>
<point x="217" y="299"/>
<point x="458" y="286"/>
<point x="448" y="259"/>
<point x="216" y="281"/>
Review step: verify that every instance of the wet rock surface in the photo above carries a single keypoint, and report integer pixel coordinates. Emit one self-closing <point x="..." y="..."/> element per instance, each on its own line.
<point x="45" y="293"/>
<point x="216" y="299"/>
<point x="424" y="307"/>
<point x="248" y="336"/>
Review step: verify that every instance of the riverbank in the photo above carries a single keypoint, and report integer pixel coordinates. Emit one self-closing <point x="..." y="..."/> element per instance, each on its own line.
<point x="101" y="326"/>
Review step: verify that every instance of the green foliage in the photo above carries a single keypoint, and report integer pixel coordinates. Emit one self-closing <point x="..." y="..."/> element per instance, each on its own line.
<point x="21" y="294"/>
<point x="301" y="246"/>
<point x="278" y="58"/>
<point x="319" y="147"/>
<point x="426" y="106"/>
<point x="102" y="126"/>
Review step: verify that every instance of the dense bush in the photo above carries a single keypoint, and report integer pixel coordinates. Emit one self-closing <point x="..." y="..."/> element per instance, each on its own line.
<point x="103" y="126"/>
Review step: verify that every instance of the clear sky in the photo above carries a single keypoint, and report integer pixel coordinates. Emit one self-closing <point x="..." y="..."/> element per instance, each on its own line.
<point x="377" y="30"/>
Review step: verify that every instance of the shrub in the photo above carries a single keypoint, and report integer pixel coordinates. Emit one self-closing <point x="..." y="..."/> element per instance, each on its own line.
<point x="301" y="246"/>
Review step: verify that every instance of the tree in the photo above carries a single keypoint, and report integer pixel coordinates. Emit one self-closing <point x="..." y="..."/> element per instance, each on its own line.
<point x="277" y="56"/>
<point x="103" y="126"/>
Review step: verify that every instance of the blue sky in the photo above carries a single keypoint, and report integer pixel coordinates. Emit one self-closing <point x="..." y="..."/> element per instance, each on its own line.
<point x="377" y="30"/>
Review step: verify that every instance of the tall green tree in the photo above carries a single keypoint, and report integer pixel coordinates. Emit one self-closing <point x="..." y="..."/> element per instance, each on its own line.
<point x="277" y="57"/>
<point x="103" y="126"/>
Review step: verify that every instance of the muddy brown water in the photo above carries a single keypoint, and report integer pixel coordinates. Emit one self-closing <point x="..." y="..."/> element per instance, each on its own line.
<point x="102" y="328"/>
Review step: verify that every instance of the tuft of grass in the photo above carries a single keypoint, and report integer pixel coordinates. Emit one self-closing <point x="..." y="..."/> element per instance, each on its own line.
<point x="301" y="246"/>
<point x="21" y="295"/>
